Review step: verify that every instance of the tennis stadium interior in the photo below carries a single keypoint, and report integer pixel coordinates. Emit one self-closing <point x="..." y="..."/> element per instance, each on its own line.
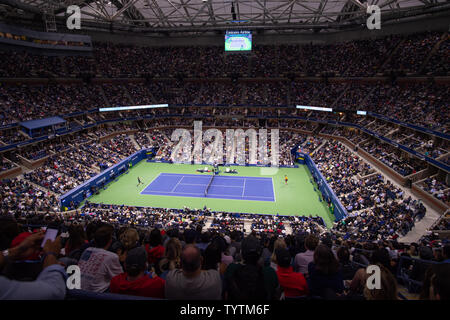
<point x="314" y="123"/>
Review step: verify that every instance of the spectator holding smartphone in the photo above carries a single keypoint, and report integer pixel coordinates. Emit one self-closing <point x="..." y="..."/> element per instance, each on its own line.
<point x="49" y="285"/>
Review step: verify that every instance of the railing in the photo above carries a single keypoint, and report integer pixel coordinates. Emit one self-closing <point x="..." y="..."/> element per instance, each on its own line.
<point x="411" y="284"/>
<point x="76" y="294"/>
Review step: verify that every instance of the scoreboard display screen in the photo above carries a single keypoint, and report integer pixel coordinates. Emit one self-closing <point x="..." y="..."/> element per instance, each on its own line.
<point x="238" y="41"/>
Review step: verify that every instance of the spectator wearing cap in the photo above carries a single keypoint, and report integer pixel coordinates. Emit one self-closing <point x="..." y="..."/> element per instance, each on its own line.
<point x="98" y="265"/>
<point x="19" y="239"/>
<point x="28" y="267"/>
<point x="251" y="280"/>
<point x="303" y="259"/>
<point x="293" y="283"/>
<point x="191" y="282"/>
<point x="135" y="280"/>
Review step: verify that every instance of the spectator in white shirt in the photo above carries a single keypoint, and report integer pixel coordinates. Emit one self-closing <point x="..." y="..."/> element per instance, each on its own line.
<point x="98" y="265"/>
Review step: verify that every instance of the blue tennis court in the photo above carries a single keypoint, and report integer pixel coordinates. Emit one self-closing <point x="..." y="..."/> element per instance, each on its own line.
<point x="222" y="187"/>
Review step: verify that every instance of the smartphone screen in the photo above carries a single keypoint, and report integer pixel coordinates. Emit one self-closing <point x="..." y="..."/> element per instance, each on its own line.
<point x="49" y="234"/>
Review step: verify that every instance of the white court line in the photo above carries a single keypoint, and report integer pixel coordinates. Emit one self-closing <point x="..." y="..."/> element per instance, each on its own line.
<point x="150" y="183"/>
<point x="177" y="184"/>
<point x="230" y="197"/>
<point x="213" y="185"/>
<point x="225" y="177"/>
<point x="213" y="194"/>
<point x="166" y="192"/>
<point x="273" y="189"/>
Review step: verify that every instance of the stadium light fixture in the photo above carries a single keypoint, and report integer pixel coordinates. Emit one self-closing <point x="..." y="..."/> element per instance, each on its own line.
<point x="315" y="108"/>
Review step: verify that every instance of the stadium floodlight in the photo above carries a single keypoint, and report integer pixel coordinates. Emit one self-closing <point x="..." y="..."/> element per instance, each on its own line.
<point x="315" y="108"/>
<point x="133" y="107"/>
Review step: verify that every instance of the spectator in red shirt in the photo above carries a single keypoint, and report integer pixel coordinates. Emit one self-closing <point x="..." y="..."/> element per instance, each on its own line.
<point x="135" y="281"/>
<point x="154" y="247"/>
<point x="293" y="283"/>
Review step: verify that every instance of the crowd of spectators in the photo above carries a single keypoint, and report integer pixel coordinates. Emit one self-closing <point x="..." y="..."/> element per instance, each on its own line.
<point x="6" y="164"/>
<point x="393" y="158"/>
<point x="437" y="188"/>
<point x="373" y="204"/>
<point x="422" y="103"/>
<point x="200" y="254"/>
<point x="190" y="263"/>
<point x="69" y="168"/>
<point x="351" y="58"/>
<point x="19" y="196"/>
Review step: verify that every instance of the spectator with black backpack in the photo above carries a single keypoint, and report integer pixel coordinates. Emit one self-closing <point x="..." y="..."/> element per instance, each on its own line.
<point x="251" y="280"/>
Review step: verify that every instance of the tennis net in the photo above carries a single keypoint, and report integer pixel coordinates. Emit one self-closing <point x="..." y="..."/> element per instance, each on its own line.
<point x="209" y="184"/>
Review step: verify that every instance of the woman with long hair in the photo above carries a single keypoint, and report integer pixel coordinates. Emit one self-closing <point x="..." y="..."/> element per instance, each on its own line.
<point x="325" y="278"/>
<point x="171" y="259"/>
<point x="129" y="239"/>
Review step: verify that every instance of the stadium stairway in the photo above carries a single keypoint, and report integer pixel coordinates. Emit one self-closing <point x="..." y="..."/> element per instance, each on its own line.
<point x="24" y="134"/>
<point x="207" y="225"/>
<point x="288" y="228"/>
<point x="36" y="185"/>
<point x="318" y="148"/>
<point x="248" y="226"/>
<point x="134" y="142"/>
<point x="127" y="94"/>
<point x="420" y="227"/>
<point x="346" y="88"/>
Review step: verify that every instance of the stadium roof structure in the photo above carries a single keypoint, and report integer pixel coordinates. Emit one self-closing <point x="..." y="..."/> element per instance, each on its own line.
<point x="199" y="16"/>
